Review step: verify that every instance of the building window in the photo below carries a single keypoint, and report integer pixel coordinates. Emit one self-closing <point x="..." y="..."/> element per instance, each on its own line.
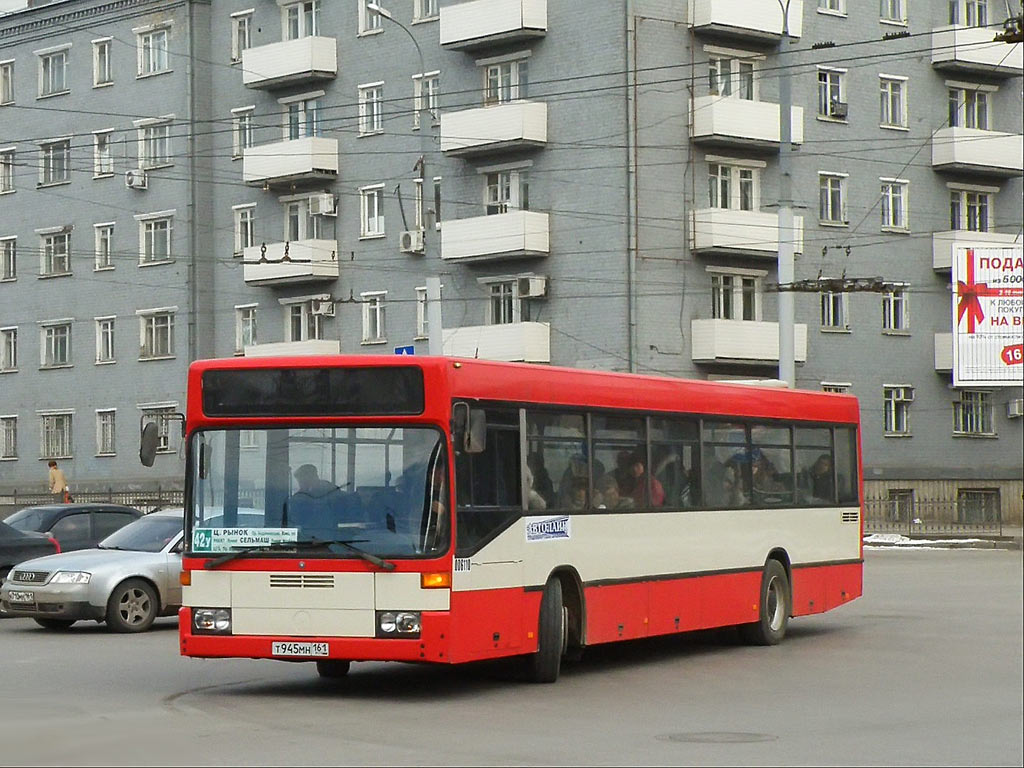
<point x="55" y="258"/>
<point x="968" y="211"/>
<point x="105" y="340"/>
<point x="6" y="82"/>
<point x="507" y="191"/>
<point x="893" y="102"/>
<point x="968" y="108"/>
<point x="836" y="388"/>
<point x="429" y="83"/>
<point x="371" y="212"/>
<point x="105" y="433"/>
<point x="371" y="108"/>
<point x="161" y="416"/>
<point x="302" y="323"/>
<point x="733" y="187"/>
<point x="101" y="70"/>
<point x="895" y="311"/>
<point x="832" y="94"/>
<point x="102" y="156"/>
<point x="735" y="297"/>
<point x="832" y="6"/>
<point x="6" y="171"/>
<point x="8" y="349"/>
<point x="245" y="228"/>
<point x="104" y="236"/>
<point x="977" y="505"/>
<point x="972" y="414"/>
<point x="9" y="258"/>
<point x="896" y="409"/>
<point x="730" y="76"/>
<point x="893" y="10"/>
<point x="506" y="81"/>
<point x="504" y="305"/>
<point x="968" y="13"/>
<point x="241" y="130"/>
<point x="300" y="224"/>
<point x="304" y="118"/>
<point x="155" y="240"/>
<point x="369" y="19"/>
<point x="894" y="204"/>
<point x="55" y="436"/>
<point x="901" y="505"/>
<point x="55" y="162"/>
<point x="241" y="34"/>
<point x="153" y="52"/>
<point x="56" y="345"/>
<point x="301" y="19"/>
<point x="834" y="313"/>
<point x="832" y="199"/>
<point x="374" y="328"/>
<point x="245" y="327"/>
<point x="155" y="145"/>
<point x="422" y="317"/>
<point x="53" y="73"/>
<point x="156" y="331"/>
<point x="8" y="437"/>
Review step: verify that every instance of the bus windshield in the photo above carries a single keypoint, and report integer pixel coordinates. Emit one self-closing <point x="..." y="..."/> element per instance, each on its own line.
<point x="381" y="489"/>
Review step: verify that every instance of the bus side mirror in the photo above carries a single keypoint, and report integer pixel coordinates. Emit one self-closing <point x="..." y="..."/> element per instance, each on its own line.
<point x="148" y="443"/>
<point x="469" y="428"/>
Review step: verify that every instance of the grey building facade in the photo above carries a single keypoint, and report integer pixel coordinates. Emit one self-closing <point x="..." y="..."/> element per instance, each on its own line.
<point x="595" y="192"/>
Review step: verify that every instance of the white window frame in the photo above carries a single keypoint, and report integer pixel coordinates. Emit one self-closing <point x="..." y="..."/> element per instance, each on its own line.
<point x="371" y="108"/>
<point x="739" y="176"/>
<point x="895" y="205"/>
<point x="8" y="259"/>
<point x="835" y="84"/>
<point x="299" y="223"/>
<point x="106" y="431"/>
<point x="829" y="207"/>
<point x="422" y="316"/>
<point x="973" y="414"/>
<point x="503" y="296"/>
<point x="241" y="33"/>
<point x="156" y="333"/>
<point x="102" y="63"/>
<point x="153" y="59"/>
<point x="832" y="7"/>
<point x="426" y="10"/>
<point x="310" y="326"/>
<point x="244" y="218"/>
<point x="307" y="19"/>
<point x="893" y="12"/>
<point x="735" y="308"/>
<point x="896" y="400"/>
<point x="103" y="240"/>
<point x="49" y="252"/>
<point x="48" y="75"/>
<point x="246" y="326"/>
<point x="374" y="306"/>
<point x="506" y="189"/>
<point x="969" y="13"/>
<point x="835" y="311"/>
<point x="371" y="201"/>
<point x="154" y="228"/>
<point x="154" y="142"/>
<point x="733" y="74"/>
<point x="306" y="108"/>
<point x="8" y="437"/>
<point x="836" y="387"/>
<point x="51" y="171"/>
<point x="505" y="80"/>
<point x="370" y="22"/>
<point x="50" y="343"/>
<point x="973" y="106"/>
<point x="161" y="414"/>
<point x="56" y="442"/>
<point x="9" y="349"/>
<point x="6" y="82"/>
<point x="432" y="82"/>
<point x="7" y="170"/>
<point x="896" y="311"/>
<point x="971" y="208"/>
<point x="102" y="154"/>
<point x="241" y="130"/>
<point x="106" y="340"/>
<point x="893" y="88"/>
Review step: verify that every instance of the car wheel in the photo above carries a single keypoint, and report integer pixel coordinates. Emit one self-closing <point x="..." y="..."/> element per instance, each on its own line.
<point x="332" y="668"/>
<point x="57" y="625"/>
<point x="132" y="607"/>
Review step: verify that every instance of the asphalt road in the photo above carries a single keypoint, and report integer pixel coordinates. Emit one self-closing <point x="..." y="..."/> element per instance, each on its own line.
<point x="925" y="669"/>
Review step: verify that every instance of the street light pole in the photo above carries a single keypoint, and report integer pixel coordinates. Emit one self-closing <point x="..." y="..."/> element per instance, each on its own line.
<point x="787" y="246"/>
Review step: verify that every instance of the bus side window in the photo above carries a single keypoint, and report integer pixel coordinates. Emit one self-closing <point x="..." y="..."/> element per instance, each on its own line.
<point x="556" y="456"/>
<point x="675" y="461"/>
<point x="846" y="465"/>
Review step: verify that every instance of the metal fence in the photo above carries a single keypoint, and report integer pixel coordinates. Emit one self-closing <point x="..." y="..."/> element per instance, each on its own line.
<point x="147" y="500"/>
<point x="938" y="517"/>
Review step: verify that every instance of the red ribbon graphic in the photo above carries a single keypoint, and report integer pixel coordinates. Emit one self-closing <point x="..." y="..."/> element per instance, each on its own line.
<point x="970" y="294"/>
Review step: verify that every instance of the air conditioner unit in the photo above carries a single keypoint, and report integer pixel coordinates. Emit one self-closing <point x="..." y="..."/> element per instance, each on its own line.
<point x="323" y="307"/>
<point x="1015" y="408"/>
<point x="533" y="287"/>
<point x="838" y="110"/>
<point x="323" y="205"/>
<point x="135" y="179"/>
<point x="411" y="241"/>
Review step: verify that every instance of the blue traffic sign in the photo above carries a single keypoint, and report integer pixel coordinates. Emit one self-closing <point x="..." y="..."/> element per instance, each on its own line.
<point x="406" y="350"/>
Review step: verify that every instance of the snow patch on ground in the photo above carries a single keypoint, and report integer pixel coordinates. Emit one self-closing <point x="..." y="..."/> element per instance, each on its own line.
<point x="898" y="539"/>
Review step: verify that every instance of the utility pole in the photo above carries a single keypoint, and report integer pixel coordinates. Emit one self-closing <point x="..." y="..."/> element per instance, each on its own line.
<point x="787" y="247"/>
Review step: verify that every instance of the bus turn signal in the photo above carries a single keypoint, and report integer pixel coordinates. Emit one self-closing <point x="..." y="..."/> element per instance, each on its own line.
<point x="441" y="580"/>
<point x="185" y="578"/>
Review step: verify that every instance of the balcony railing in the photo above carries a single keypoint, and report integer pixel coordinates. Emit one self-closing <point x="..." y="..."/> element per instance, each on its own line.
<point x="503" y="235"/>
<point x="746" y="19"/>
<point x="480" y="23"/>
<point x="742" y="233"/>
<point x="944" y="242"/>
<point x="294" y="348"/>
<point x="969" y="150"/>
<point x="972" y="50"/>
<point x="498" y="128"/>
<point x="291" y="62"/>
<point x="309" y="261"/>
<point x="742" y="341"/>
<point x="729" y="121"/>
<point x="511" y="342"/>
<point x="313" y="158"/>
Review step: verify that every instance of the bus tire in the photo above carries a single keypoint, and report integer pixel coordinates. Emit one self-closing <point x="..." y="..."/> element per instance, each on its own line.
<point x="332" y="669"/>
<point x="773" y="613"/>
<point x="544" y="665"/>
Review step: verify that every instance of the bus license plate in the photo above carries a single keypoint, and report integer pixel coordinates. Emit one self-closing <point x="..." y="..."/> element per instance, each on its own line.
<point x="298" y="649"/>
<point x="21" y="597"/>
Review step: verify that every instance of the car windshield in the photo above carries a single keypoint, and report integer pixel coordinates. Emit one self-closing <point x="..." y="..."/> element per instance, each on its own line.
<point x="30" y="519"/>
<point x="382" y="489"/>
<point x="147" y="534"/>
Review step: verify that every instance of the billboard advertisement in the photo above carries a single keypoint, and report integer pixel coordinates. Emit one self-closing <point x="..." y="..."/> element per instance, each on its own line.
<point x="988" y="316"/>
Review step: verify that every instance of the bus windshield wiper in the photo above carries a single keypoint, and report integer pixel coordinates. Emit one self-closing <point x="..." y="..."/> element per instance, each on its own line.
<point x="312" y="543"/>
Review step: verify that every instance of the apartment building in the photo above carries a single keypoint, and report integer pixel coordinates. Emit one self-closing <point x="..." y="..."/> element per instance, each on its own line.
<point x="598" y="192"/>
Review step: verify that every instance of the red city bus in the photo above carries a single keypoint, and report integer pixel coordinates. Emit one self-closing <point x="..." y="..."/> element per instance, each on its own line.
<point x="353" y="508"/>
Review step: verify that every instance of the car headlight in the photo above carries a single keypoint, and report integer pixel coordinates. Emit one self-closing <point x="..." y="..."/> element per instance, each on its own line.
<point x="71" y="577"/>
<point x="212" y="620"/>
<point x="398" y="624"/>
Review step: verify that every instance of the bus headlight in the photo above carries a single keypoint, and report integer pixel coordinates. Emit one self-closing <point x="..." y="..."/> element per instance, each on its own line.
<point x="212" y="620"/>
<point x="398" y="624"/>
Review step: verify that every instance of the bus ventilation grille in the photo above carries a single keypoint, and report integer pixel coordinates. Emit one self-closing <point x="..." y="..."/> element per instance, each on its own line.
<point x="302" y="580"/>
<point x="851" y="517"/>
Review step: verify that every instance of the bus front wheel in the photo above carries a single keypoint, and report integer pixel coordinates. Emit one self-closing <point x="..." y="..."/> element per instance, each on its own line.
<point x="546" y="663"/>
<point x="773" y="615"/>
<point x="332" y="669"/>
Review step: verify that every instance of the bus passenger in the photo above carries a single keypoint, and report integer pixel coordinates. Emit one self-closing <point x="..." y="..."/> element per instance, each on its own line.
<point x="578" y="493"/>
<point x="317" y="506"/>
<point x="639" y="476"/>
<point x="608" y="496"/>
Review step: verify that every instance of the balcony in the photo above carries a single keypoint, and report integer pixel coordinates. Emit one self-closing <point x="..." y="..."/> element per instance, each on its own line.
<point x="740" y="233"/>
<point x="511" y="342"/>
<point x="480" y="23"/>
<point x="969" y="150"/>
<point x="313" y="158"/>
<point x="291" y="62"/>
<point x="309" y="261"/>
<point x="498" y="128"/>
<point x="515" y="234"/>
<point x="757" y="20"/>
<point x="943" y="243"/>
<point x="971" y="50"/>
<point x="742" y="341"/>
<point x="295" y="348"/>
<point x="731" y="122"/>
<point x="944" y="352"/>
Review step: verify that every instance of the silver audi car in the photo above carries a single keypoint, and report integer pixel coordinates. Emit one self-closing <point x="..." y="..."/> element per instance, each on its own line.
<point x="127" y="581"/>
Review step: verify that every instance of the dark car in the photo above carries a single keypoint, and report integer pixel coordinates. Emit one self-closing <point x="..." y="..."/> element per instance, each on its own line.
<point x="16" y="547"/>
<point x="75" y="526"/>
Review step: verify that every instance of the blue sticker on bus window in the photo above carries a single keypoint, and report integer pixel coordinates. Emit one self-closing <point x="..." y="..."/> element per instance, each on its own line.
<point x="548" y="528"/>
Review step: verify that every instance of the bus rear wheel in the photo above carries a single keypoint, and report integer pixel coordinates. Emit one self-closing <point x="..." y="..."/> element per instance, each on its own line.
<point x="546" y="663"/>
<point x="332" y="669"/>
<point x="773" y="616"/>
